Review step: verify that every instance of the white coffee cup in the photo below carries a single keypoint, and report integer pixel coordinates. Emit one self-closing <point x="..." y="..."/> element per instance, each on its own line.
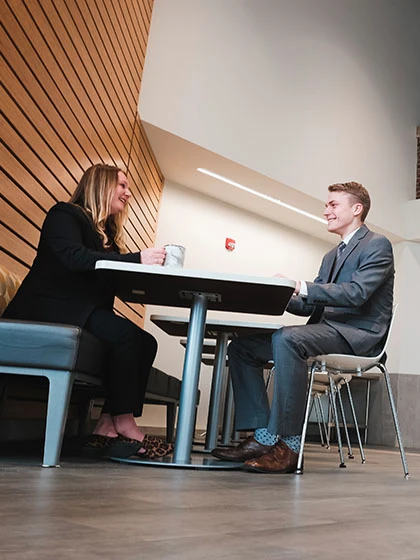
<point x="175" y="255"/>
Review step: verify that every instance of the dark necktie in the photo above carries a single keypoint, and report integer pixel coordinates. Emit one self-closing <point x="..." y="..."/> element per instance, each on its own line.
<point x="340" y="250"/>
<point x="338" y="257"/>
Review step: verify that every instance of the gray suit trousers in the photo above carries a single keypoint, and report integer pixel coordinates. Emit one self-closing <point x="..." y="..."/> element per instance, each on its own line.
<point x="290" y="348"/>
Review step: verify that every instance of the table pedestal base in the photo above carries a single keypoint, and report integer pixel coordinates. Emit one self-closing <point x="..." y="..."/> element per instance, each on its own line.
<point x="193" y="463"/>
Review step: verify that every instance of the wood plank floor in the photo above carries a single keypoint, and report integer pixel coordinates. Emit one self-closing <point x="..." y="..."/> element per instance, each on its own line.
<point x="106" y="510"/>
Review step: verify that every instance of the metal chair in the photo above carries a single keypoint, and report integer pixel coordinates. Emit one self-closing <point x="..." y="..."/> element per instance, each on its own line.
<point x="349" y="364"/>
<point x="322" y="381"/>
<point x="320" y="390"/>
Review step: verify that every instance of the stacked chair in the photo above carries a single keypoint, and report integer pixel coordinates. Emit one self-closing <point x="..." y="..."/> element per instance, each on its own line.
<point x="341" y="365"/>
<point x="331" y="385"/>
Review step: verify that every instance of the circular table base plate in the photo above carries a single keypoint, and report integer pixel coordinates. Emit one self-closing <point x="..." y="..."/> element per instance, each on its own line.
<point x="194" y="463"/>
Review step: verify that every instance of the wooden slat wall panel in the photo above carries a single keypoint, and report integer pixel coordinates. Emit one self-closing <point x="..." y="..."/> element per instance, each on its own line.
<point x="19" y="195"/>
<point x="15" y="245"/>
<point x="36" y="153"/>
<point x="134" y="312"/>
<point x="47" y="95"/>
<point x="71" y="79"/>
<point x="55" y="129"/>
<point x="15" y="222"/>
<point x="68" y="73"/>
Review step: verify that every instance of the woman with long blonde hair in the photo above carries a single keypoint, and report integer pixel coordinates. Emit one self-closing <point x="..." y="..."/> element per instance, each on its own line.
<point x="63" y="287"/>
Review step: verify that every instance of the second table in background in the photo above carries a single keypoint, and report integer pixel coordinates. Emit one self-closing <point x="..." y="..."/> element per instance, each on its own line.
<point x="222" y="330"/>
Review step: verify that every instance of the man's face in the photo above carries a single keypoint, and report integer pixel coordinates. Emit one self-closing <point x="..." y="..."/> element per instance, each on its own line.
<point x="342" y="213"/>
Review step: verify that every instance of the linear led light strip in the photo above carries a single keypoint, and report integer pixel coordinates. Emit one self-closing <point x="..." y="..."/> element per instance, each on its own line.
<point x="261" y="195"/>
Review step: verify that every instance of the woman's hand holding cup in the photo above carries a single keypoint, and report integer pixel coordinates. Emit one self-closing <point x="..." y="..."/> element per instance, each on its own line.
<point x="153" y="255"/>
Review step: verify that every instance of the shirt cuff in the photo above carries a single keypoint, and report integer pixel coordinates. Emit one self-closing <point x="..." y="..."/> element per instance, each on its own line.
<point x="303" y="288"/>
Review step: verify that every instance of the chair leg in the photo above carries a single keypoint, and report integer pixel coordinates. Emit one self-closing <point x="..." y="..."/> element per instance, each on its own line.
<point x="343" y="416"/>
<point x="356" y="425"/>
<point x="336" y="421"/>
<point x="330" y="418"/>
<point x="395" y="418"/>
<point x="170" y="420"/>
<point x="365" y="436"/>
<point x="314" y="401"/>
<point x="227" y="425"/>
<point x="61" y="383"/>
<point x="326" y="432"/>
<point x="269" y="379"/>
<point x="323" y="424"/>
<point x="299" y="467"/>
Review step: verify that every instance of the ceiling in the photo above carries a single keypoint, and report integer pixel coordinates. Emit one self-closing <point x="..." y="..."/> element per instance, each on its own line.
<point x="179" y="160"/>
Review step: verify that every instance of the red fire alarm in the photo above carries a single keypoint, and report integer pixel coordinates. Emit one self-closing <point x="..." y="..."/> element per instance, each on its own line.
<point x="230" y="244"/>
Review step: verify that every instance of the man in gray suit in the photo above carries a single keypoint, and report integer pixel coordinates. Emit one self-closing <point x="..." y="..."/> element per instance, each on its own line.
<point x="350" y="306"/>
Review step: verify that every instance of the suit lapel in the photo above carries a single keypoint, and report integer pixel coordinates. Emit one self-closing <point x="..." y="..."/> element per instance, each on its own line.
<point x="332" y="270"/>
<point x="353" y="243"/>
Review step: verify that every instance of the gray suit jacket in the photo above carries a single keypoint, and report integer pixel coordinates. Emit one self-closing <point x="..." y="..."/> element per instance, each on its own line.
<point x="357" y="297"/>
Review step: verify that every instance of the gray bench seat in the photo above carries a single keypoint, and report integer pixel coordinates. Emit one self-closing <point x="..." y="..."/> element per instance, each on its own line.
<point x="67" y="355"/>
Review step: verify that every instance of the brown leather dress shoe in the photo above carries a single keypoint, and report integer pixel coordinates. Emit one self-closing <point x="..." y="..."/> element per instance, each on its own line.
<point x="248" y="449"/>
<point x="279" y="459"/>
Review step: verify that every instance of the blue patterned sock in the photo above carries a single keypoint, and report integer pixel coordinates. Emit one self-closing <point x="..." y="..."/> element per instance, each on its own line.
<point x="293" y="442"/>
<point x="263" y="436"/>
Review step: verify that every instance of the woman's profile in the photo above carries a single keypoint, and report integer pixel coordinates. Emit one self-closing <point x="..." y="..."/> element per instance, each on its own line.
<point x="63" y="287"/>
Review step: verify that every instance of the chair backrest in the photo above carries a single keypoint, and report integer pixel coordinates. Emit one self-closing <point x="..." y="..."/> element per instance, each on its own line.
<point x="347" y="363"/>
<point x="9" y="284"/>
<point x="388" y="336"/>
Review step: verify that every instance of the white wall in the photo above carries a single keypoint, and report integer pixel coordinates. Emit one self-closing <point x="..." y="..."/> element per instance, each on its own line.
<point x="201" y="224"/>
<point x="308" y="92"/>
<point x="403" y="344"/>
<point x="263" y="248"/>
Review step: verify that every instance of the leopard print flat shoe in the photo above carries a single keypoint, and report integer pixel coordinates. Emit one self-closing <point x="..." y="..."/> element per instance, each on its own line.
<point x="150" y="448"/>
<point x="156" y="447"/>
<point x="98" y="447"/>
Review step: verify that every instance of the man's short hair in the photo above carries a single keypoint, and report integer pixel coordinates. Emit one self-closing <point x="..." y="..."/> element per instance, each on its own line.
<point x="357" y="191"/>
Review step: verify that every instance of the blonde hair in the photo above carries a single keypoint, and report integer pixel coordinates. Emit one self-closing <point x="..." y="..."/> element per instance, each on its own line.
<point x="357" y="191"/>
<point x="94" y="194"/>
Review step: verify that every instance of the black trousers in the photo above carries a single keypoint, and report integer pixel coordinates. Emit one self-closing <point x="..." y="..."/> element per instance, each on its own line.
<point x="131" y="354"/>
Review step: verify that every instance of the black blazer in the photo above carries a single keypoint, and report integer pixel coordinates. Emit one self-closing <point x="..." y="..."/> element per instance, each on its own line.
<point x="62" y="285"/>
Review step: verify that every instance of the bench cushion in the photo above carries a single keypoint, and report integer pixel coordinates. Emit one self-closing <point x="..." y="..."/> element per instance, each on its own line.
<point x="174" y="388"/>
<point x="67" y="347"/>
<point x="158" y="382"/>
<point x="50" y="345"/>
<point x="162" y="384"/>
